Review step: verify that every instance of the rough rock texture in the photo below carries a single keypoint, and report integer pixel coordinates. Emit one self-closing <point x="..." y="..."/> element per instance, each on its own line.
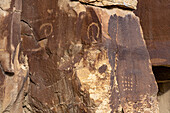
<point x="13" y="73"/>
<point x="123" y="3"/>
<point x="9" y="18"/>
<point x="72" y="58"/>
<point x="154" y="17"/>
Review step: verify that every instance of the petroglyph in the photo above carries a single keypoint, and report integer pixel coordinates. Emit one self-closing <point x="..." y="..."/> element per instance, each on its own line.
<point x="94" y="36"/>
<point x="47" y="29"/>
<point x="127" y="83"/>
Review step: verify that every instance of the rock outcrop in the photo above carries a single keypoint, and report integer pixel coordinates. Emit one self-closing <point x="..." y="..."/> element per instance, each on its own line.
<point x="67" y="57"/>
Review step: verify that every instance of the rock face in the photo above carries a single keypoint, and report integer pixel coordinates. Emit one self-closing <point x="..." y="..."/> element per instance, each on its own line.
<point x="123" y="3"/>
<point x="72" y="58"/>
<point x="154" y="16"/>
<point x="13" y="73"/>
<point x="9" y="18"/>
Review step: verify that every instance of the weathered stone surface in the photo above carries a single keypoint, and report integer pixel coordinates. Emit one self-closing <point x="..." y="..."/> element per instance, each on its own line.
<point x="13" y="73"/>
<point x="73" y="58"/>
<point x="130" y="48"/>
<point x="155" y="22"/>
<point x="82" y="59"/>
<point x="10" y="34"/>
<point x="154" y="16"/>
<point x="123" y="3"/>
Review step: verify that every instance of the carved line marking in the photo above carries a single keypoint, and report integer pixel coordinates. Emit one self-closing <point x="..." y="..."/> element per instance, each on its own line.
<point x="88" y="30"/>
<point x="45" y="25"/>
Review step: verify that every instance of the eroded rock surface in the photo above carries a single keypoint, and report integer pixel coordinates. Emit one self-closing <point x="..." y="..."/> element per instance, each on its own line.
<point x="73" y="58"/>
<point x="154" y="16"/>
<point x="13" y="73"/>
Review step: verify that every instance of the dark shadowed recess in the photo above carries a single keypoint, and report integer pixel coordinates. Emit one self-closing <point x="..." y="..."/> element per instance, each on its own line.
<point x="162" y="75"/>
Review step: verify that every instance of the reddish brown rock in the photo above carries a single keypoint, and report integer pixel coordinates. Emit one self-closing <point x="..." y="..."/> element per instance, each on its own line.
<point x="61" y="59"/>
<point x="13" y="73"/>
<point x="154" y="17"/>
<point x="74" y="58"/>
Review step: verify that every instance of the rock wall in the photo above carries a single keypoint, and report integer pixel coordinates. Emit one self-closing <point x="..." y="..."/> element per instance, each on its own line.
<point x="62" y="56"/>
<point x="154" y="18"/>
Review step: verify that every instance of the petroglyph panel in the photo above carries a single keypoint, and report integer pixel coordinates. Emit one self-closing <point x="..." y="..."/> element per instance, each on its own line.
<point x="134" y="77"/>
<point x="81" y="58"/>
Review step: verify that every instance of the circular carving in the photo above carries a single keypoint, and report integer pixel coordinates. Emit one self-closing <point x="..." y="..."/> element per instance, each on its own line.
<point x="45" y="27"/>
<point x="93" y="24"/>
